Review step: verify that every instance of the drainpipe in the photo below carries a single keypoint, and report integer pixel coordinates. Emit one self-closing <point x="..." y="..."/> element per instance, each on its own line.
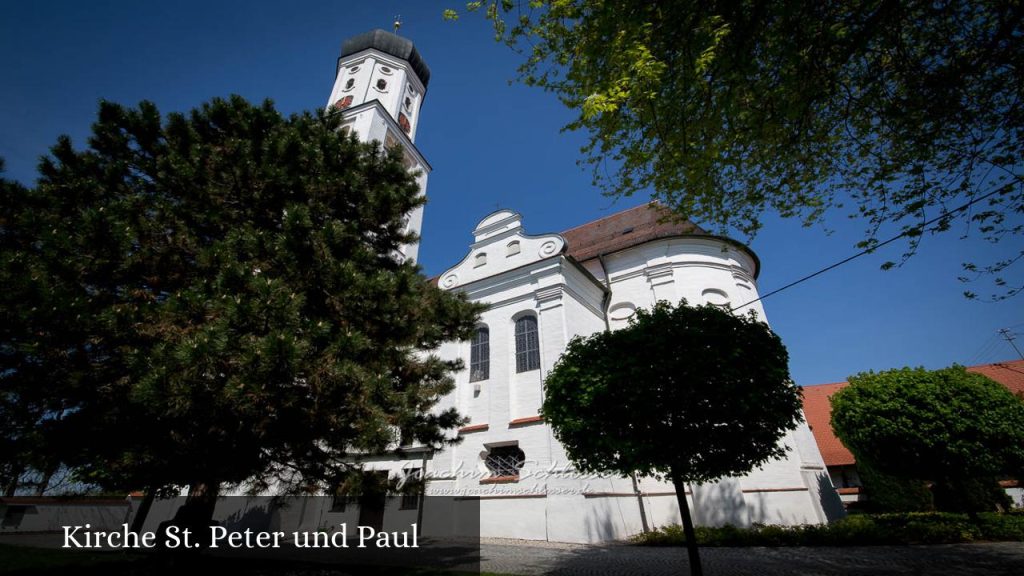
<point x="607" y="293"/>
<point x="608" y="328"/>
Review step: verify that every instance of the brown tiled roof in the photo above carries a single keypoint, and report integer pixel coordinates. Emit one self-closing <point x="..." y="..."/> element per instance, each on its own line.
<point x="818" y="410"/>
<point x="625" y="229"/>
<point x="1009" y="374"/>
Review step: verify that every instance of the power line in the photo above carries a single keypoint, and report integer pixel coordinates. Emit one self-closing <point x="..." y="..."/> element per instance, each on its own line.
<point x="1009" y="337"/>
<point x="922" y="227"/>
<point x="985" y="349"/>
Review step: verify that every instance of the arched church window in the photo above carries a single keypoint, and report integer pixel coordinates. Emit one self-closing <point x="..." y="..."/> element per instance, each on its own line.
<point x="527" y="344"/>
<point x="513" y="248"/>
<point x="480" y="355"/>
<point x="505" y="461"/>
<point x="716" y="297"/>
<point x="480" y="260"/>
<point x="382" y="84"/>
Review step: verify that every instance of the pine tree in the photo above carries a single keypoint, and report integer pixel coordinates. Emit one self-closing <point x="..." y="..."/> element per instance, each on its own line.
<point x="229" y="285"/>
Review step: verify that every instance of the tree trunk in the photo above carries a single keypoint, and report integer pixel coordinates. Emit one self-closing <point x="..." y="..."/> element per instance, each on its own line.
<point x="640" y="502"/>
<point x="139" y="520"/>
<point x="44" y="481"/>
<point x="196" y="514"/>
<point x="12" y="482"/>
<point x="201" y="500"/>
<point x="691" y="538"/>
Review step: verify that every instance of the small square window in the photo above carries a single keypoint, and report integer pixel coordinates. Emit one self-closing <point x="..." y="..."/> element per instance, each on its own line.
<point x="505" y="461"/>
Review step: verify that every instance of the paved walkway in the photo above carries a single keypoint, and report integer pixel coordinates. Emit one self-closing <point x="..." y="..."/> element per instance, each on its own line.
<point x="991" y="559"/>
<point x="543" y="558"/>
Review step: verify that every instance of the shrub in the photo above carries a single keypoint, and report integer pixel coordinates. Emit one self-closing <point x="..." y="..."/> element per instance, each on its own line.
<point x="855" y="530"/>
<point x="894" y="494"/>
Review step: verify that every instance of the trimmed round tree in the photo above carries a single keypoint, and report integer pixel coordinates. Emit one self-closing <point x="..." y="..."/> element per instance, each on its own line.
<point x="688" y="394"/>
<point x="952" y="427"/>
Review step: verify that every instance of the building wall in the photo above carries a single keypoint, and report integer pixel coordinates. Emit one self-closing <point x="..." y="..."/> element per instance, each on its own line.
<point x="550" y="500"/>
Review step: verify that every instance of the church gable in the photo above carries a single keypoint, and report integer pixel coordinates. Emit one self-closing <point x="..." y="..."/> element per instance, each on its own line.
<point x="500" y="244"/>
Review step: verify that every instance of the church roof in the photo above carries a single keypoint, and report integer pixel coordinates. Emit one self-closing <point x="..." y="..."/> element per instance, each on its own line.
<point x="388" y="43"/>
<point x="633" y="227"/>
<point x="625" y="229"/>
<point x="818" y="408"/>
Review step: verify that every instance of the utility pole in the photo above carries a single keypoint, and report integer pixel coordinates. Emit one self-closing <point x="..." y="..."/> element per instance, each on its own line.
<point x="1009" y="338"/>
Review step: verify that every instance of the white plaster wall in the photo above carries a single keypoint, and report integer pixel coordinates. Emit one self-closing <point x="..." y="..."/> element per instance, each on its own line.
<point x="551" y="500"/>
<point x="1017" y="495"/>
<point x="365" y="63"/>
<point x="369" y="125"/>
<point x="370" y="65"/>
<point x="53" y="515"/>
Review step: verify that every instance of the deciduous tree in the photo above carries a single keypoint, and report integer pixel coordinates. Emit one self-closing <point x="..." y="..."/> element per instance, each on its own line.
<point x="688" y="394"/>
<point x="955" y="428"/>
<point x="893" y="111"/>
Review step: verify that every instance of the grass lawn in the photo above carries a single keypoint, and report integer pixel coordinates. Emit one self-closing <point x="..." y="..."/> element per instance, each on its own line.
<point x="45" y="561"/>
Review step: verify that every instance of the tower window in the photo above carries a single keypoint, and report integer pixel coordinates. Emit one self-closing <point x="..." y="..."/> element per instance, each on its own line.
<point x="505" y="461"/>
<point x="527" y="344"/>
<point x="480" y="355"/>
<point x="385" y="70"/>
<point x="408" y="103"/>
<point x="351" y="82"/>
<point x="382" y="84"/>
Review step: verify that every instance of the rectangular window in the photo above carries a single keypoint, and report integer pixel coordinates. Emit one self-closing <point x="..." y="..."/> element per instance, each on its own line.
<point x="527" y="344"/>
<point x="480" y="355"/>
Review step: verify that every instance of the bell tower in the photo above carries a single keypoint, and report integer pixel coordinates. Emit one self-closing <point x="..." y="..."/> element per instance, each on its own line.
<point x="379" y="85"/>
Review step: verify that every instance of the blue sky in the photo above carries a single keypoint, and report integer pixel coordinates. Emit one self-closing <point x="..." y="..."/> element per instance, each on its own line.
<point x="491" y="144"/>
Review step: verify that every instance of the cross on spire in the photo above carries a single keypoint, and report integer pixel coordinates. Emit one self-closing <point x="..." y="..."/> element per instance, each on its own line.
<point x="398" y="23"/>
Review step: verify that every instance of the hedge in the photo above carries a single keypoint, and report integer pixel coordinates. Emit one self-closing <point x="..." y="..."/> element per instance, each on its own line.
<point x="854" y="530"/>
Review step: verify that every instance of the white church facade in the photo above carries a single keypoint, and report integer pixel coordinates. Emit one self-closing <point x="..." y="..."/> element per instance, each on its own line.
<point x="541" y="290"/>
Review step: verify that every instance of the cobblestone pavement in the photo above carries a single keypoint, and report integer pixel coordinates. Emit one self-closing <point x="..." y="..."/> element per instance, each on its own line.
<point x="990" y="559"/>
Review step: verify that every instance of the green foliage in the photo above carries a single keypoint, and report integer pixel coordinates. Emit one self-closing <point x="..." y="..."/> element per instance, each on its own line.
<point x="854" y="530"/>
<point x="691" y="393"/>
<point x="894" y="493"/>
<point x="971" y="494"/>
<point x="893" y="112"/>
<point x="217" y="295"/>
<point x="952" y="427"/>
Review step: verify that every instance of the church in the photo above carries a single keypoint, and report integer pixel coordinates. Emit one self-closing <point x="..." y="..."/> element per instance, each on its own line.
<point x="542" y="289"/>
